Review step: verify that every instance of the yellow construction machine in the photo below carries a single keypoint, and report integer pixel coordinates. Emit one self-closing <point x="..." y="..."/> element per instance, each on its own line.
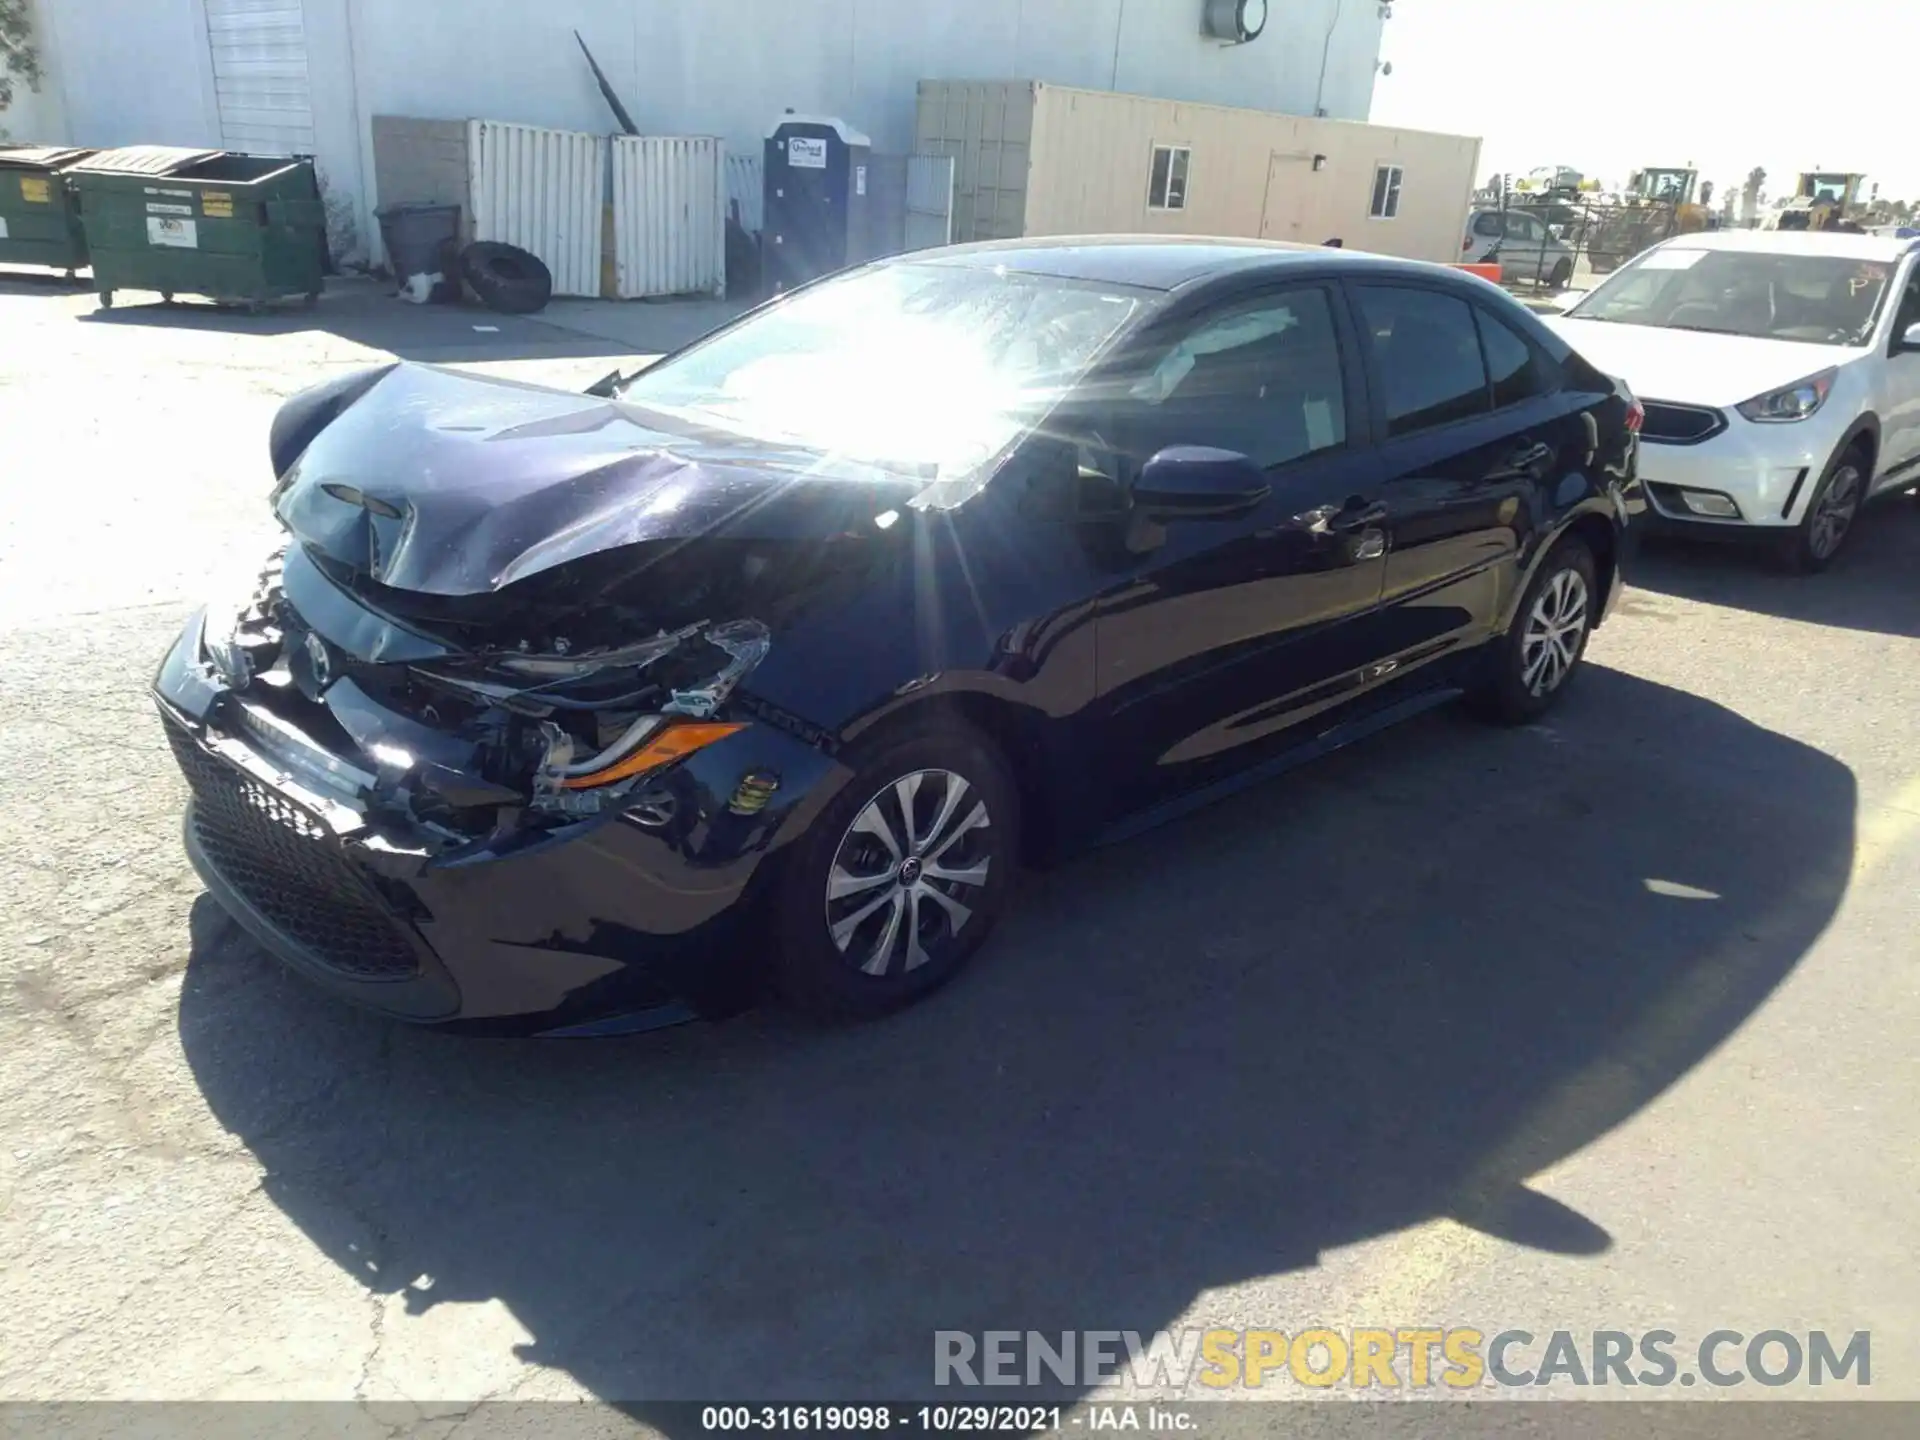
<point x="1822" y="202"/>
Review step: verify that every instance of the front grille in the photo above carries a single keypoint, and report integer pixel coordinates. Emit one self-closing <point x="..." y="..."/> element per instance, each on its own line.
<point x="291" y="869"/>
<point x="1669" y="424"/>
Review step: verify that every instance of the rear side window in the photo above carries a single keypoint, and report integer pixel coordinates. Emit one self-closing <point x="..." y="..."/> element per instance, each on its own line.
<point x="1426" y="351"/>
<point x="1487" y="225"/>
<point x="1515" y="369"/>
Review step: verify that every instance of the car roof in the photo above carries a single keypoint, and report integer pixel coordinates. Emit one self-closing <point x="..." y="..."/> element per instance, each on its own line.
<point x="1837" y="244"/>
<point x="1155" y="262"/>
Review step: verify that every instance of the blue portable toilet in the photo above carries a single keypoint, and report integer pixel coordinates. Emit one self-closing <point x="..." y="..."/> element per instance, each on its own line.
<point x="815" y="201"/>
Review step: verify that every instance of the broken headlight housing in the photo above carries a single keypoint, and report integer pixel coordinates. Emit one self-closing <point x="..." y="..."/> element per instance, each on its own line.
<point x="637" y="726"/>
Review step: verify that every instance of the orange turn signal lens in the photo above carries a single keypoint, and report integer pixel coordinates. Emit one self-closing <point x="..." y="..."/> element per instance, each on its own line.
<point x="676" y="742"/>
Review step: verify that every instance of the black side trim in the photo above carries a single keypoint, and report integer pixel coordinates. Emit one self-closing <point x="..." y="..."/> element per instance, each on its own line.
<point x="1794" y="493"/>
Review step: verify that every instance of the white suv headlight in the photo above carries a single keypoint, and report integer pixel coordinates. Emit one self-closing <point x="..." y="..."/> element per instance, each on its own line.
<point x="1791" y="402"/>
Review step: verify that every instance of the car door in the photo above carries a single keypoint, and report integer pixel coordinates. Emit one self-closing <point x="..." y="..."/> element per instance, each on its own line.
<point x="1520" y="251"/>
<point x="1484" y="236"/>
<point x="1219" y="635"/>
<point x="1899" y="401"/>
<point x="1475" y="432"/>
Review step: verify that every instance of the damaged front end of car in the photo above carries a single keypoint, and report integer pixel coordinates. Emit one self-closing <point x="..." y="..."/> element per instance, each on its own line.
<point x="477" y="742"/>
<point x="463" y="830"/>
<point x="471" y="752"/>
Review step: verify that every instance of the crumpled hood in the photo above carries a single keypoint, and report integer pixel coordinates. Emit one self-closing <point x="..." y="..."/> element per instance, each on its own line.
<point x="1692" y="367"/>
<point x="452" y="484"/>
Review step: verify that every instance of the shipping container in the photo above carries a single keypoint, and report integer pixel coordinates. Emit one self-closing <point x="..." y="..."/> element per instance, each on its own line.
<point x="1034" y="159"/>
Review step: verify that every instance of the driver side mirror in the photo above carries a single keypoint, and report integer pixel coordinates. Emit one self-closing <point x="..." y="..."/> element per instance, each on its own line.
<point x="1567" y="299"/>
<point x="1191" y="482"/>
<point x="1909" y="339"/>
<point x="1197" y="482"/>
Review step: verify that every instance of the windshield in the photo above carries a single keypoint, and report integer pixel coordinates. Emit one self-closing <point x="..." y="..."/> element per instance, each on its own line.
<point x="1823" y="299"/>
<point x="930" y="368"/>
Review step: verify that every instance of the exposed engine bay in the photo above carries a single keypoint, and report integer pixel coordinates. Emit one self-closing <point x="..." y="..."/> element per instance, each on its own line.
<point x="474" y="742"/>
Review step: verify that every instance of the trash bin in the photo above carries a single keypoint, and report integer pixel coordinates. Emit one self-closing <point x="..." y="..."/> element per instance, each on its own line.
<point x="239" y="229"/>
<point x="420" y="239"/>
<point x="39" y="221"/>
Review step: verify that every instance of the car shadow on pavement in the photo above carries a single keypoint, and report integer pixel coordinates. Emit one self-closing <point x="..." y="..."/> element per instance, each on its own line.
<point x="1874" y="585"/>
<point x="1387" y="989"/>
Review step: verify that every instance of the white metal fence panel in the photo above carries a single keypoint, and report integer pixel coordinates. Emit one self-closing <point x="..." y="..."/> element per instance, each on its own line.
<point x="929" y="201"/>
<point x="747" y="191"/>
<point x="541" y="190"/>
<point x="669" y="215"/>
<point x="260" y="80"/>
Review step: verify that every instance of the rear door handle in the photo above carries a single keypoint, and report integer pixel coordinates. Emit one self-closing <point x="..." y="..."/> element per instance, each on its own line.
<point x="1530" y="457"/>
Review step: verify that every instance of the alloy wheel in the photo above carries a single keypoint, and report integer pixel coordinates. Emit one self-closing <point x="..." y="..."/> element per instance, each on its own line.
<point x="1556" y="625"/>
<point x="898" y="889"/>
<point x="1833" y="512"/>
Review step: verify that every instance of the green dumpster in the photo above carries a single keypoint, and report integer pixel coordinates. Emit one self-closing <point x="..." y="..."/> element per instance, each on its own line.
<point x="39" y="221"/>
<point x="239" y="229"/>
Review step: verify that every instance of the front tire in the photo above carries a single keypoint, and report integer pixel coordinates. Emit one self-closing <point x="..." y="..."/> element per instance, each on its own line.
<point x="1832" y="513"/>
<point x="1531" y="665"/>
<point x="901" y="879"/>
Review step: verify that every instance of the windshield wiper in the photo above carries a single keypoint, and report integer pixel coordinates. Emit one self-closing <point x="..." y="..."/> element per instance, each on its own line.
<point x="1702" y="329"/>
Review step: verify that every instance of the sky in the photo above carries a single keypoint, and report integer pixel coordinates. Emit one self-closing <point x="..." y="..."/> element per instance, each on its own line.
<point x="1613" y="86"/>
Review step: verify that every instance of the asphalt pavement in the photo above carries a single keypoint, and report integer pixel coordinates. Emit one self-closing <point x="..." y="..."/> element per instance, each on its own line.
<point x="1607" y="1023"/>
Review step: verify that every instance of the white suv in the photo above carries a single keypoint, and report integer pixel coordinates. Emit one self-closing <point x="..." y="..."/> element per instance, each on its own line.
<point x="1780" y="372"/>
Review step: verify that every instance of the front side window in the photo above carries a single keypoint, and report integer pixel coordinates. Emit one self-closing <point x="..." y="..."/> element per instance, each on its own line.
<point x="1167" y="186"/>
<point x="1386" y="193"/>
<point x="1427" y="354"/>
<point x="930" y="369"/>
<point x="1819" y="299"/>
<point x="1261" y="378"/>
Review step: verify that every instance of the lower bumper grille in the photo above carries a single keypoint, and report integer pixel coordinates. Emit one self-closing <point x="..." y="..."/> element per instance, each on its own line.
<point x="291" y="869"/>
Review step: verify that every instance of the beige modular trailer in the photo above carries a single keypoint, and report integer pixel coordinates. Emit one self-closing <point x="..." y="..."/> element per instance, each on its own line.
<point x="1038" y="159"/>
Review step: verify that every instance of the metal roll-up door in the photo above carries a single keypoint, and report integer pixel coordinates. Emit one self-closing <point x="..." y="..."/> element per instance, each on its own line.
<point x="260" y="75"/>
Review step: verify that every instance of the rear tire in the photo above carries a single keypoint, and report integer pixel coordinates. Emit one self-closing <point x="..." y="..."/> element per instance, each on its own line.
<point x="1562" y="275"/>
<point x="900" y="879"/>
<point x="1832" y="516"/>
<point x="1530" y="667"/>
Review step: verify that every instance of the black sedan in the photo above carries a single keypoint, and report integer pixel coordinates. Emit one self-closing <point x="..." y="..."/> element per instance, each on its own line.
<point x="574" y="713"/>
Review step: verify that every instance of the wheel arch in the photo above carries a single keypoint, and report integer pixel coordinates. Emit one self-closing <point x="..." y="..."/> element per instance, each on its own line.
<point x="1594" y="526"/>
<point x="1863" y="433"/>
<point x="1017" y="731"/>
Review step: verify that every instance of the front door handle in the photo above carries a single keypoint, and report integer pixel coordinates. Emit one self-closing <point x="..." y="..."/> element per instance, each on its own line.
<point x="1358" y="514"/>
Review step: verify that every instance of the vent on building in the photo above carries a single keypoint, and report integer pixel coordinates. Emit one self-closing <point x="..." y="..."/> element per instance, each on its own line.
<point x="1235" y="21"/>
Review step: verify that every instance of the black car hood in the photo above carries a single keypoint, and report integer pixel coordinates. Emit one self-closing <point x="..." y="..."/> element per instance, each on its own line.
<point x="453" y="484"/>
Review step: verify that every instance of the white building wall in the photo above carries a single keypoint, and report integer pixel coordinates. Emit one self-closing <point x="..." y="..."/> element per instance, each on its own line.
<point x="695" y="67"/>
<point x="140" y="71"/>
<point x="132" y="73"/>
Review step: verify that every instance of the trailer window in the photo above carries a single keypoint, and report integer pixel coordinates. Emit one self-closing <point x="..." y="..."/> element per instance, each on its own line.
<point x="1167" y="187"/>
<point x="1386" y="192"/>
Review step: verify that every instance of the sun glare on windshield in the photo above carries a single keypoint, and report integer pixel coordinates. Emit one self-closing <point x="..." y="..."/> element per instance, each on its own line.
<point x="930" y="368"/>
